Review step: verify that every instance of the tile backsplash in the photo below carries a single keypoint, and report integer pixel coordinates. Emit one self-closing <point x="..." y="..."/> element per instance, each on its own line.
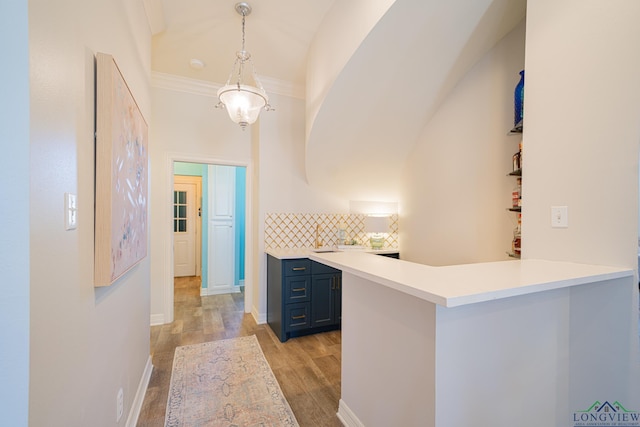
<point x="298" y="230"/>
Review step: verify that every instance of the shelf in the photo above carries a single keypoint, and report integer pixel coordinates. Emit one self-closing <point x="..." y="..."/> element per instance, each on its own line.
<point x="516" y="130"/>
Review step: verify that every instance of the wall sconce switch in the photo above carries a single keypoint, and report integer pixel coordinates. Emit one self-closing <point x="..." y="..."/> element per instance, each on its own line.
<point x="559" y="217"/>
<point x="70" y="211"/>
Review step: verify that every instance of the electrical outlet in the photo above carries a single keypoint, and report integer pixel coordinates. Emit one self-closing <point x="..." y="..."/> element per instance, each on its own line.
<point x="119" y="404"/>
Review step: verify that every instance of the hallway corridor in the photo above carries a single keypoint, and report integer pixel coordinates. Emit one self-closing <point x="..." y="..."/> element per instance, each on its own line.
<point x="307" y="368"/>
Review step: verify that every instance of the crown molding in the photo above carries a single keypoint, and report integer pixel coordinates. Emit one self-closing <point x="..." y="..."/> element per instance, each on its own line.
<point x="183" y="84"/>
<point x="205" y="88"/>
<point x="281" y="87"/>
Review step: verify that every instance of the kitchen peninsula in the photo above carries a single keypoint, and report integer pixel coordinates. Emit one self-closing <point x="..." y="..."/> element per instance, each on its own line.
<point x="304" y="296"/>
<point x="503" y="343"/>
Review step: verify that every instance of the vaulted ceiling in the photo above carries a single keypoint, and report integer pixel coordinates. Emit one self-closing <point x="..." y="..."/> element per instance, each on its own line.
<point x="369" y="103"/>
<point x="278" y="34"/>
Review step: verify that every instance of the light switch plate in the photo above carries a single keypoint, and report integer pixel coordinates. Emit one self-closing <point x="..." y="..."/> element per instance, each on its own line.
<point x="70" y="211"/>
<point x="559" y="217"/>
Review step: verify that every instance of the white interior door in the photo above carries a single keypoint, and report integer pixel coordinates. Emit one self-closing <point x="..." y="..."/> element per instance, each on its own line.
<point x="186" y="235"/>
<point x="221" y="229"/>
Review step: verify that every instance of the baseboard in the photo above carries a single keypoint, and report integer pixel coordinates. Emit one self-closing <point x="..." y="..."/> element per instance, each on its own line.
<point x="347" y="417"/>
<point x="231" y="290"/>
<point x="136" y="406"/>
<point x="157" y="319"/>
<point x="259" y="318"/>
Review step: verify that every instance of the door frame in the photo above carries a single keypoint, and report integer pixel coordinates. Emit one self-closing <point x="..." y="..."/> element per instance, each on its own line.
<point x="168" y="228"/>
<point x="197" y="181"/>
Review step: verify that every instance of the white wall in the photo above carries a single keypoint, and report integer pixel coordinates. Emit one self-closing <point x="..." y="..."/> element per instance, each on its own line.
<point x="337" y="38"/>
<point x="282" y="176"/>
<point x="14" y="243"/>
<point x="455" y="186"/>
<point x="187" y="126"/>
<point x="582" y="130"/>
<point x="86" y="343"/>
<point x="582" y="109"/>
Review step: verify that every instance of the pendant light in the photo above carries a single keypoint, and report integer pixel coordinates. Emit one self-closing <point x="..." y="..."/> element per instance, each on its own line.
<point x="243" y="100"/>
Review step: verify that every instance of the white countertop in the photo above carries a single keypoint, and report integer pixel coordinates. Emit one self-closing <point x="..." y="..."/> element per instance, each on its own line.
<point x="292" y="253"/>
<point x="457" y="285"/>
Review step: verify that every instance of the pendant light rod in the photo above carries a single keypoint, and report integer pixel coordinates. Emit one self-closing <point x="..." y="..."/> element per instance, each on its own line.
<point x="244" y="9"/>
<point x="243" y="101"/>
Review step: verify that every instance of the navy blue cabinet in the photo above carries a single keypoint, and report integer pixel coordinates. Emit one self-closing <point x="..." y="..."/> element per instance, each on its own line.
<point x="326" y="295"/>
<point x="303" y="297"/>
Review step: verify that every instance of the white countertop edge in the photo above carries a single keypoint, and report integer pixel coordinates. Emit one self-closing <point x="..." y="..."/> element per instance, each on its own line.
<point x="458" y="285"/>
<point x="534" y="288"/>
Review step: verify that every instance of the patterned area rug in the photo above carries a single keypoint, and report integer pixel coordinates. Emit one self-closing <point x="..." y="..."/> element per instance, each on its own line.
<point x="225" y="383"/>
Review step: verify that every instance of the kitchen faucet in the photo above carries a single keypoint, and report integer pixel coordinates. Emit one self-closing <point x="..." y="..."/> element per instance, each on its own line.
<point x="318" y="243"/>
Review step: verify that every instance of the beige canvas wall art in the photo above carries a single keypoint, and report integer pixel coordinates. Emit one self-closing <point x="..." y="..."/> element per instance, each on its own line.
<point x="121" y="219"/>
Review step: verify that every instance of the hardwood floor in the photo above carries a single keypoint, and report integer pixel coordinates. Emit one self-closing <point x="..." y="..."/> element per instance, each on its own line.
<point x="307" y="368"/>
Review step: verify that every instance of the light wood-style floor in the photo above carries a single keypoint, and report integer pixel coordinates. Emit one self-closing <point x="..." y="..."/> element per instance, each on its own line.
<point x="307" y="368"/>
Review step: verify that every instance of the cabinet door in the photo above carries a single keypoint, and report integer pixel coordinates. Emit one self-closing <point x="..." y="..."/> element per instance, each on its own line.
<point x="323" y="288"/>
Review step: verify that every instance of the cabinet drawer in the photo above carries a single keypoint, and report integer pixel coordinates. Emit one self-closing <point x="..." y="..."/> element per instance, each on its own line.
<point x="296" y="267"/>
<point x="297" y="316"/>
<point x="297" y="289"/>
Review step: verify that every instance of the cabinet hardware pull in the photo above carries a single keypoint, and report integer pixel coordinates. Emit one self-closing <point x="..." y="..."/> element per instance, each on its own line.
<point x="299" y="268"/>
<point x="298" y="289"/>
<point x="298" y="317"/>
<point x="333" y="283"/>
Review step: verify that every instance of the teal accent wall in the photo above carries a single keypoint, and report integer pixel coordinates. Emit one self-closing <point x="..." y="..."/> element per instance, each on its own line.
<point x="241" y="189"/>
<point x="189" y="169"/>
<point x="198" y="169"/>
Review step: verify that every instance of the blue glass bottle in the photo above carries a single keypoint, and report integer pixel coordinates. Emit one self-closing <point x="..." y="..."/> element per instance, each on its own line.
<point x="518" y="102"/>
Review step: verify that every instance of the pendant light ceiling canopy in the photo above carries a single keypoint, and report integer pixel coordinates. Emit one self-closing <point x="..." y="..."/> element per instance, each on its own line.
<point x="243" y="96"/>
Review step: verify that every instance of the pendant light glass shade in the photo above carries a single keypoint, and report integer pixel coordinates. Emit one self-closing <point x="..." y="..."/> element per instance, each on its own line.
<point x="243" y="101"/>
